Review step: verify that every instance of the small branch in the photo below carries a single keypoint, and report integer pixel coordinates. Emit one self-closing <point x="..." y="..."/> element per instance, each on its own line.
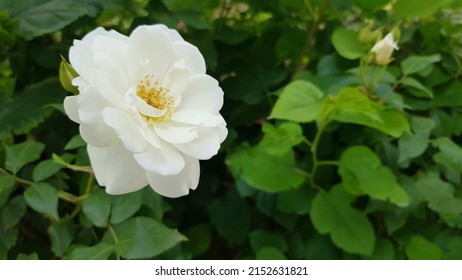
<point x="67" y="197"/>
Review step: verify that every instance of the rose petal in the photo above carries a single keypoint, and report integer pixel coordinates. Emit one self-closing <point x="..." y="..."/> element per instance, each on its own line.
<point x="177" y="79"/>
<point x="205" y="146"/>
<point x="165" y="160"/>
<point x="170" y="132"/>
<point x="174" y="35"/>
<point x="191" y="54"/>
<point x="196" y="117"/>
<point x="147" y="110"/>
<point x="113" y="84"/>
<point x="116" y="169"/>
<point x="71" y="106"/>
<point x="202" y="93"/>
<point x="126" y="128"/>
<point x="150" y="51"/>
<point x="92" y="104"/>
<point x="177" y="185"/>
<point x="97" y="134"/>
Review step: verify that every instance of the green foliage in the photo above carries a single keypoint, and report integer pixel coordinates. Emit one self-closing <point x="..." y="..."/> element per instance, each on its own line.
<point x="329" y="155"/>
<point x="143" y="237"/>
<point x="362" y="173"/>
<point x="43" y="198"/>
<point x="332" y="213"/>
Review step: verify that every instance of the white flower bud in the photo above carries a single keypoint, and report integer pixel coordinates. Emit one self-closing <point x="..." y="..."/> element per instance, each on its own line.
<point x="383" y="49"/>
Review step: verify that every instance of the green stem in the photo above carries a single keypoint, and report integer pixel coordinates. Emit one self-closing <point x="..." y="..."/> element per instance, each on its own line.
<point x="17" y="179"/>
<point x="314" y="150"/>
<point x="328" y="162"/>
<point x="114" y="236"/>
<point x="67" y="197"/>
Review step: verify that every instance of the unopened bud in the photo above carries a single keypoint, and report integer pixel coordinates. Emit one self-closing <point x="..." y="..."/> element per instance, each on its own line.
<point x="66" y="75"/>
<point x="383" y="49"/>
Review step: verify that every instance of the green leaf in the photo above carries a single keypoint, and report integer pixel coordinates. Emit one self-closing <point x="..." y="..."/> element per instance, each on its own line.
<point x="100" y="251"/>
<point x="13" y="212"/>
<point x="182" y="5"/>
<point x="265" y="171"/>
<point x="449" y="97"/>
<point x="347" y="44"/>
<point x="230" y="215"/>
<point x="420" y="248"/>
<point x="38" y="17"/>
<point x="75" y="142"/>
<point x="416" y="8"/>
<point x="45" y="169"/>
<point x="449" y="155"/>
<point x="353" y="106"/>
<point x="97" y="207"/>
<point x="270" y="253"/>
<point x="383" y="250"/>
<point x="43" y="198"/>
<point x="31" y="256"/>
<point x="300" y="101"/>
<point x="416" y="63"/>
<point x="28" y="109"/>
<point x="262" y="238"/>
<point x="413" y="145"/>
<point x="8" y="237"/>
<point x="6" y="187"/>
<point x="421" y="90"/>
<point x="199" y="239"/>
<point x="372" y="4"/>
<point x="20" y="154"/>
<point x="363" y="173"/>
<point x="349" y="228"/>
<point x="142" y="237"/>
<point x="438" y="194"/>
<point x="297" y="201"/>
<point x="280" y="140"/>
<point x="124" y="206"/>
<point x="61" y="234"/>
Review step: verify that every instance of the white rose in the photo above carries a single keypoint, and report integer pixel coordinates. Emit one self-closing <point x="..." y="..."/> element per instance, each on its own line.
<point x="146" y="108"/>
<point x="383" y="49"/>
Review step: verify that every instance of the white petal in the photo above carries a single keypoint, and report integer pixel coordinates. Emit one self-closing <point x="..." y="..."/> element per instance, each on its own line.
<point x="91" y="106"/>
<point x="110" y="80"/>
<point x="172" y="133"/>
<point x="174" y="35"/>
<point x="197" y="118"/>
<point x="221" y="131"/>
<point x="147" y="110"/>
<point x="177" y="79"/>
<point x="191" y="54"/>
<point x="126" y="128"/>
<point x="177" y="185"/>
<point x="202" y="93"/>
<point x="114" y="47"/>
<point x="165" y="160"/>
<point x="71" y="106"/>
<point x="205" y="146"/>
<point x="151" y="52"/>
<point x="97" y="134"/>
<point x="116" y="169"/>
<point x="89" y="37"/>
<point x="81" y="58"/>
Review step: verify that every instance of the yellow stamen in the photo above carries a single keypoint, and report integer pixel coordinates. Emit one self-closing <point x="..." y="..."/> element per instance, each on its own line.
<point x="156" y="96"/>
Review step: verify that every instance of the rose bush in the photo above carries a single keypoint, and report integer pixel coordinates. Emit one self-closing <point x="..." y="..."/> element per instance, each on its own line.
<point x="146" y="108"/>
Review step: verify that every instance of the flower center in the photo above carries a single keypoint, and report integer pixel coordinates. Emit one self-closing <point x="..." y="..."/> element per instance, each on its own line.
<point x="156" y="96"/>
